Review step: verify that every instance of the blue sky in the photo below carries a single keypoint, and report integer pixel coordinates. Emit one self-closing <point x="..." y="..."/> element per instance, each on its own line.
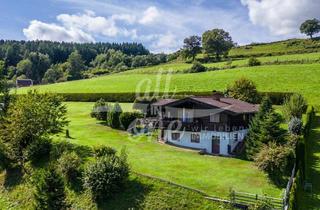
<point x="159" y="25"/>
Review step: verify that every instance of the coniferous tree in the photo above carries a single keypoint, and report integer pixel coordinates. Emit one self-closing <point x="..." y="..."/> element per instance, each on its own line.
<point x="114" y="116"/>
<point x="50" y="193"/>
<point x="264" y="127"/>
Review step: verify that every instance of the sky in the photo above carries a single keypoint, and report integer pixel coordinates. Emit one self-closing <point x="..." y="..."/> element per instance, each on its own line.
<point x="160" y="25"/>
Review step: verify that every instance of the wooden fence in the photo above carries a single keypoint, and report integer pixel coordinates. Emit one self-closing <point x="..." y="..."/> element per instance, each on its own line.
<point x="248" y="199"/>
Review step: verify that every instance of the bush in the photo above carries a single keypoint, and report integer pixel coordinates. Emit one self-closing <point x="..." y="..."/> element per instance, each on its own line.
<point x="100" y="110"/>
<point x="243" y="89"/>
<point x="69" y="165"/>
<point x="295" y="126"/>
<point x="38" y="149"/>
<point x="253" y="62"/>
<point x="114" y="116"/>
<point x="59" y="148"/>
<point x="294" y="106"/>
<point x="197" y="67"/>
<point x="50" y="193"/>
<point x="276" y="160"/>
<point x="126" y="118"/>
<point x="100" y="151"/>
<point x="106" y="176"/>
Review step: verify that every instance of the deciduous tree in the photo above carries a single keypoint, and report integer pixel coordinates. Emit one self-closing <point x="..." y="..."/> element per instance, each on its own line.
<point x="217" y="42"/>
<point x="310" y="27"/>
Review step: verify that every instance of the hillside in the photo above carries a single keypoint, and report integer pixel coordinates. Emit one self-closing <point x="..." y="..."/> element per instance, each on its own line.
<point x="304" y="78"/>
<point x="291" y="46"/>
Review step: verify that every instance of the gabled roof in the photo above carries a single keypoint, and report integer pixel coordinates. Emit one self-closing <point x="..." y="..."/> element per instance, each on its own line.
<point x="224" y="103"/>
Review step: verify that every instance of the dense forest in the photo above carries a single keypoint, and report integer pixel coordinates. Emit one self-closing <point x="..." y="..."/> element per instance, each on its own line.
<point x="50" y="62"/>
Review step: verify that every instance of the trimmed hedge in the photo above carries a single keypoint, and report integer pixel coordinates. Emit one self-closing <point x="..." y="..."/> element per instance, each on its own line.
<point x="277" y="98"/>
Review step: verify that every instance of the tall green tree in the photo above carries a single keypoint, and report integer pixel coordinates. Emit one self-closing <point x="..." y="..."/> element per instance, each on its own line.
<point x="30" y="118"/>
<point x="40" y="64"/>
<point x="76" y="65"/>
<point x="50" y="193"/>
<point x="191" y="47"/>
<point x="310" y="27"/>
<point x="217" y="42"/>
<point x="264" y="128"/>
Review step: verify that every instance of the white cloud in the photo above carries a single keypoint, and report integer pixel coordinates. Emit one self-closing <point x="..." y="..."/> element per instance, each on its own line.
<point x="165" y="43"/>
<point x="281" y="17"/>
<point x="79" y="28"/>
<point x="95" y="24"/>
<point x="150" y="16"/>
<point x="38" y="30"/>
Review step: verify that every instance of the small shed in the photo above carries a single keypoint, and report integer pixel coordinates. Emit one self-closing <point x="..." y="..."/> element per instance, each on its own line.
<point x="24" y="83"/>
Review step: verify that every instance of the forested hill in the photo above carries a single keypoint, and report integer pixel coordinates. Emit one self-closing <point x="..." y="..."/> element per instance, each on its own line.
<point x="14" y="51"/>
<point x="49" y="62"/>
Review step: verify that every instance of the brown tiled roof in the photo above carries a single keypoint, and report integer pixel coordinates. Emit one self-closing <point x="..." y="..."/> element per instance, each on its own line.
<point x="163" y="102"/>
<point x="229" y="104"/>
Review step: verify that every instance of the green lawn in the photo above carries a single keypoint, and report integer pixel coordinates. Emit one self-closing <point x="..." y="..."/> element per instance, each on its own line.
<point x="214" y="175"/>
<point x="312" y="201"/>
<point x="304" y="79"/>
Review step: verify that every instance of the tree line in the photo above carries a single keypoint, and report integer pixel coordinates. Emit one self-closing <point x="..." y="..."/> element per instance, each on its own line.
<point x="49" y="62"/>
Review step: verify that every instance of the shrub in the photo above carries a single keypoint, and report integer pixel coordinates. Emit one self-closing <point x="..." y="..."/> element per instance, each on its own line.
<point x="50" y="193"/>
<point x="276" y="160"/>
<point x="106" y="176"/>
<point x="100" y="110"/>
<point x="59" y="148"/>
<point x="294" y="106"/>
<point x="126" y="118"/>
<point x="243" y="89"/>
<point x="295" y="126"/>
<point x="100" y="151"/>
<point x="38" y="149"/>
<point x="197" y="67"/>
<point x="69" y="165"/>
<point x="114" y="116"/>
<point x="253" y="62"/>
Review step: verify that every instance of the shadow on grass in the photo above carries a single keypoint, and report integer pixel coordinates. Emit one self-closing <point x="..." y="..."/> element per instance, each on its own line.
<point x="131" y="197"/>
<point x="13" y="177"/>
<point x="312" y="199"/>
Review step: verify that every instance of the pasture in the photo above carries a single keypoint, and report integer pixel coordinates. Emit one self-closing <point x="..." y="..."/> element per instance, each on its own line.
<point x="303" y="78"/>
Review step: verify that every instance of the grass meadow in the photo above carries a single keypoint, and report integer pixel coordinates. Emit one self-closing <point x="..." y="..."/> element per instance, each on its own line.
<point x="303" y="78"/>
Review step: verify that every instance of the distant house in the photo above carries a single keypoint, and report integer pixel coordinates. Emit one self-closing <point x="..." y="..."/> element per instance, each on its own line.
<point x="216" y="124"/>
<point x="24" y="83"/>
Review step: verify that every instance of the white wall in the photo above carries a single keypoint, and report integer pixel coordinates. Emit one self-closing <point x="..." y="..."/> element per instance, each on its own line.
<point x="206" y="139"/>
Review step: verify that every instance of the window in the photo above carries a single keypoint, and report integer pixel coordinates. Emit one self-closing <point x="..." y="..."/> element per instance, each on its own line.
<point x="195" y="138"/>
<point x="215" y="118"/>
<point x="216" y="138"/>
<point x="235" y="137"/>
<point x="175" y="136"/>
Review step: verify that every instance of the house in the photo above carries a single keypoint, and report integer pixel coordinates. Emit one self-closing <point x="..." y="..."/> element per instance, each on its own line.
<point x="216" y="124"/>
<point x="24" y="83"/>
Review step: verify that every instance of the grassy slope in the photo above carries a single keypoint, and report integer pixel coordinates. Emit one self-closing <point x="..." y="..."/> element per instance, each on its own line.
<point x="139" y="193"/>
<point x="288" y="46"/>
<point x="310" y="201"/>
<point x="214" y="175"/>
<point x="304" y="79"/>
<point x="178" y="67"/>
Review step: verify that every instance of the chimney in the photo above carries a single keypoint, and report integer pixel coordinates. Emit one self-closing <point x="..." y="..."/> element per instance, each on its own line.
<point x="217" y="95"/>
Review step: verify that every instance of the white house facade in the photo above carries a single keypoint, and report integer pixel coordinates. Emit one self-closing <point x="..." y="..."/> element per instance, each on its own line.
<point x="215" y="124"/>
